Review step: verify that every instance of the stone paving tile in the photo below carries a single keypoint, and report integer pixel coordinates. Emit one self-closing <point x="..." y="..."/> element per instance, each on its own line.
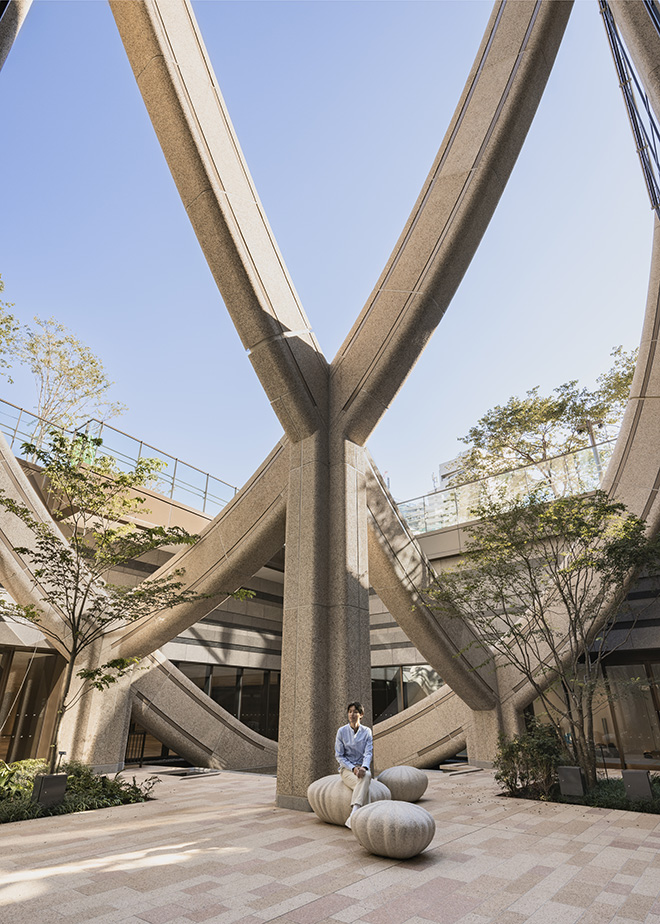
<point x="493" y="861"/>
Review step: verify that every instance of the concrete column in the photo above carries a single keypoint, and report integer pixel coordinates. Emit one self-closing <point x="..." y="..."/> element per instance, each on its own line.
<point x="10" y="23"/>
<point x="326" y="658"/>
<point x="95" y="729"/>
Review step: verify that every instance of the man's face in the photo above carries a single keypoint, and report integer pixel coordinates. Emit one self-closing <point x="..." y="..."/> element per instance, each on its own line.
<point x="353" y="717"/>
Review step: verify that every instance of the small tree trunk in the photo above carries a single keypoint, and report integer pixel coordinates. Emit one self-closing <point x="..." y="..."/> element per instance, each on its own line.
<point x="61" y="709"/>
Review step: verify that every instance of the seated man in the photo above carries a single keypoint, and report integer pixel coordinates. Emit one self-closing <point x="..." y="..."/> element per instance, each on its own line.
<point x="354" y="749"/>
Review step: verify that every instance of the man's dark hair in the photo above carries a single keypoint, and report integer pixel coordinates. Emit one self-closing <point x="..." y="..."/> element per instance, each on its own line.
<point x="358" y="706"/>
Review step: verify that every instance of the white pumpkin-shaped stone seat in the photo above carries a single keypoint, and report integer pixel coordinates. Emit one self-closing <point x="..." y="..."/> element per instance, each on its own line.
<point x="407" y="784"/>
<point x="393" y="829"/>
<point x="330" y="799"/>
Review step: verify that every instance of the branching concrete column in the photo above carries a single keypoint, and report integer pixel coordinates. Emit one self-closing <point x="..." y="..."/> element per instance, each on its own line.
<point x="11" y="21"/>
<point x="326" y="658"/>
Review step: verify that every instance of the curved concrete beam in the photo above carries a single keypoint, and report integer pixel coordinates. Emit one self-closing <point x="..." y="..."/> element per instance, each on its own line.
<point x="633" y="474"/>
<point x="643" y="42"/>
<point x="15" y="572"/>
<point x="452" y="212"/>
<point x="180" y="715"/>
<point x="175" y="76"/>
<point x="10" y="24"/>
<point x="399" y="572"/>
<point x="231" y="549"/>
<point x="424" y="734"/>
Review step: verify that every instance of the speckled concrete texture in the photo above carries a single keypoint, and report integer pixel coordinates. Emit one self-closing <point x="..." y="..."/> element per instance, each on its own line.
<point x="394" y="829"/>
<point x="330" y="799"/>
<point x="407" y="784"/>
<point x="216" y="850"/>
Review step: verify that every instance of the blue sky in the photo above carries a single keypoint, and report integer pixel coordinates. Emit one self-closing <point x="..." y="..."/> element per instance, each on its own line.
<point x="339" y="108"/>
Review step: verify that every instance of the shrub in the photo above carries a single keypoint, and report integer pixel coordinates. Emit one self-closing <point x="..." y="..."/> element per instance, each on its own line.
<point x="527" y="764"/>
<point x="86" y="790"/>
<point x="611" y="794"/>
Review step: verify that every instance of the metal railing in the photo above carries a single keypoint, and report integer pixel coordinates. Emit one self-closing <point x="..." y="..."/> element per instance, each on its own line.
<point x="572" y="473"/>
<point x="177" y="480"/>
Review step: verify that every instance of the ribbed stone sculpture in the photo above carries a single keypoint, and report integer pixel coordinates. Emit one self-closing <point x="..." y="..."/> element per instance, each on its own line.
<point x="407" y="784"/>
<point x="393" y="829"/>
<point x="330" y="799"/>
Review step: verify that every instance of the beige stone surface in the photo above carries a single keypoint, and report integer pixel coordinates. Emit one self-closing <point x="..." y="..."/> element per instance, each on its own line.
<point x="407" y="784"/>
<point x="189" y="116"/>
<point x="399" y="573"/>
<point x="424" y="734"/>
<point x="330" y="798"/>
<point x="176" y="712"/>
<point x="216" y="849"/>
<point x="326" y="655"/>
<point x="10" y="24"/>
<point x="242" y="537"/>
<point x="451" y="213"/>
<point x="393" y="829"/>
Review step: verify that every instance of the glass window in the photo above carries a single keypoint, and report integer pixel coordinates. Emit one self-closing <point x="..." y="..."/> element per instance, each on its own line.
<point x="225" y="687"/>
<point x="419" y="681"/>
<point x="273" y="710"/>
<point x="200" y="674"/>
<point x="636" y="716"/>
<point x="30" y="679"/>
<point x="386" y="692"/>
<point x="253" y="699"/>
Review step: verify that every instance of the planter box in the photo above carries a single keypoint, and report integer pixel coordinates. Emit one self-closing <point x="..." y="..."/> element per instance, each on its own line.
<point x="49" y="789"/>
<point x="571" y="781"/>
<point x="638" y="785"/>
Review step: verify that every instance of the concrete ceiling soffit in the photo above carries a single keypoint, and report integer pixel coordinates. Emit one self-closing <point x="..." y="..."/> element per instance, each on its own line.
<point x="178" y="86"/>
<point x="452" y="212"/>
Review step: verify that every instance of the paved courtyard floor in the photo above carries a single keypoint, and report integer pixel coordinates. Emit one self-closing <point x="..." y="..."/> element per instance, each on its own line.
<point x="215" y="849"/>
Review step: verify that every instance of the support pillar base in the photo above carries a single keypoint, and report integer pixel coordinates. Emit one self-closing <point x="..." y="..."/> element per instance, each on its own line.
<point x="294" y="803"/>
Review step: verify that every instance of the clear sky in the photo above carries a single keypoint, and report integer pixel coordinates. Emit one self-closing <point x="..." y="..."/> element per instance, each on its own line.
<point x="339" y="108"/>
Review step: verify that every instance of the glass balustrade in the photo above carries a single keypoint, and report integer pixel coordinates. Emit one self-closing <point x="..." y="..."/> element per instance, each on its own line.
<point x="572" y="473"/>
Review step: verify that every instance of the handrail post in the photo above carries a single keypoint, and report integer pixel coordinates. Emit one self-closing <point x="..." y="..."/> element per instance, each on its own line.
<point x="20" y="414"/>
<point x="176" y="461"/>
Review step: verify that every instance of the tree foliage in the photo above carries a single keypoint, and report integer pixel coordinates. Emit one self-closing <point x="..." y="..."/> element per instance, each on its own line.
<point x="74" y="605"/>
<point x="542" y="581"/>
<point x="70" y="379"/>
<point x="527" y="764"/>
<point x="72" y="384"/>
<point x="9" y="335"/>
<point x="533" y="430"/>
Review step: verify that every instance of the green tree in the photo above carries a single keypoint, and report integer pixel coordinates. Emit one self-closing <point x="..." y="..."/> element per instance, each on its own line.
<point x="533" y="430"/>
<point x="9" y="334"/>
<point x="70" y="379"/>
<point x="542" y="581"/>
<point x="75" y="606"/>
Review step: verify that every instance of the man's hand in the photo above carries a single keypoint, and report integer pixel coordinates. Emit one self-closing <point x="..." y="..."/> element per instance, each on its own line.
<point x="359" y="772"/>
